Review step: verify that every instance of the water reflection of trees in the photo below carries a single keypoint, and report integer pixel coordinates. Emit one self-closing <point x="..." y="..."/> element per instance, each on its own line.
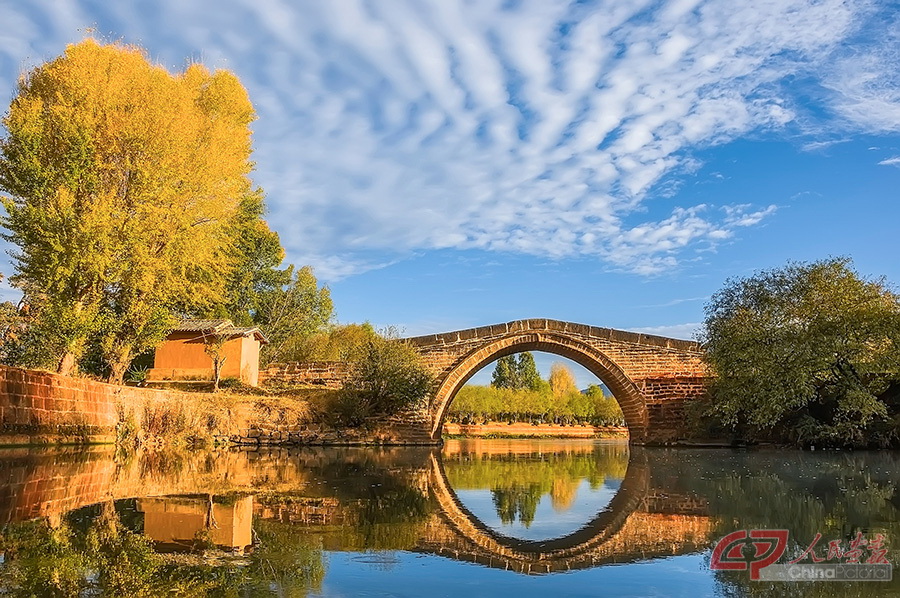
<point x="100" y="549"/>
<point x="75" y="558"/>
<point x="381" y="501"/>
<point x="836" y="494"/>
<point x="518" y="481"/>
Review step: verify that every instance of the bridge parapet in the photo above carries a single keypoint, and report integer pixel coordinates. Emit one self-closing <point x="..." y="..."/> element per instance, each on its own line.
<point x="641" y="356"/>
<point x="540" y="324"/>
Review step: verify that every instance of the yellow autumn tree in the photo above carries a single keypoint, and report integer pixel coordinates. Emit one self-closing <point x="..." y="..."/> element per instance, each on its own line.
<point x="121" y="179"/>
<point x="562" y="381"/>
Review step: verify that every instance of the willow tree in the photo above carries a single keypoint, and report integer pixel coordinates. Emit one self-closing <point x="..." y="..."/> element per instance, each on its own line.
<point x="122" y="179"/>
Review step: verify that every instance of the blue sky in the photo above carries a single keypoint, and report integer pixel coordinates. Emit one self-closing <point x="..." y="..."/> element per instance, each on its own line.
<point x="454" y="163"/>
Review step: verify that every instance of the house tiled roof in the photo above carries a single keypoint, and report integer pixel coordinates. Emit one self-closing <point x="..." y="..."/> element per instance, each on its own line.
<point x="207" y="326"/>
<point x="220" y="327"/>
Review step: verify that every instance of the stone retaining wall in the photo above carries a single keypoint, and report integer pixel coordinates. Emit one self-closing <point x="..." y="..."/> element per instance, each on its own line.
<point x="327" y="374"/>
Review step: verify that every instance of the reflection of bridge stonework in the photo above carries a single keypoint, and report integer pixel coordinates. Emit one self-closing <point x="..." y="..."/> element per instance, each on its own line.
<point x="640" y="522"/>
<point x="651" y="376"/>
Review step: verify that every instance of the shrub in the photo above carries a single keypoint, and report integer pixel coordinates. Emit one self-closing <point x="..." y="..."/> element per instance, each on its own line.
<point x="388" y="378"/>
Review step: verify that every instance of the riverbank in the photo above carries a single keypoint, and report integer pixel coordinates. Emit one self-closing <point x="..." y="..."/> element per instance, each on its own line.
<point x="40" y="408"/>
<point x="527" y="430"/>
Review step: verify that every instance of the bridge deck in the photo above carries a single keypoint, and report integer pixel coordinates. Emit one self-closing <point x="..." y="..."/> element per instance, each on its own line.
<point x="611" y="334"/>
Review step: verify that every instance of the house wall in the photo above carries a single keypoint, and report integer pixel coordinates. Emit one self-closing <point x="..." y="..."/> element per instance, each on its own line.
<point x="182" y="357"/>
<point x="249" y="360"/>
<point x="182" y="351"/>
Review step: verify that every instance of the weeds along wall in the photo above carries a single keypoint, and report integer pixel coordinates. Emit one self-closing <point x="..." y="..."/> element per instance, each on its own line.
<point x="38" y="407"/>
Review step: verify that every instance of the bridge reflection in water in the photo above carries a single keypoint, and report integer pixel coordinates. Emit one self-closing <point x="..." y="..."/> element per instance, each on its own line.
<point x="364" y="500"/>
<point x="640" y="522"/>
<point x="261" y="523"/>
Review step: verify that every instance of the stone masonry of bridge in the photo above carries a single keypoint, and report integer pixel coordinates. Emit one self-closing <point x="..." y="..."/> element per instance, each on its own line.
<point x="652" y="377"/>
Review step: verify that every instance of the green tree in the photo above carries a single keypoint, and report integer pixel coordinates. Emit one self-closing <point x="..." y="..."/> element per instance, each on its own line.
<point x="257" y="255"/>
<point x="342" y="342"/>
<point x="527" y="375"/>
<point x="122" y="181"/>
<point x="803" y="352"/>
<point x="505" y="373"/>
<point x="290" y="314"/>
<point x="389" y="378"/>
<point x="604" y="409"/>
<point x="516" y="372"/>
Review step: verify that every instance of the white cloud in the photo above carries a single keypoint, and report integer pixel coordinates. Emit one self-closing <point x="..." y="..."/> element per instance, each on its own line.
<point x="895" y="161"/>
<point x="866" y="77"/>
<point x="537" y="127"/>
<point x="814" y="146"/>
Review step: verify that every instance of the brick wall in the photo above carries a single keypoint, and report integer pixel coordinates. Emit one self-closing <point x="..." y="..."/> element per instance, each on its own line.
<point x="37" y="404"/>
<point x="327" y="374"/>
<point x="667" y="401"/>
<point x="38" y="407"/>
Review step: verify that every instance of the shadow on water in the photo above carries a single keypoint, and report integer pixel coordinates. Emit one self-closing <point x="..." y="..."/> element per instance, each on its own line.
<point x="83" y="522"/>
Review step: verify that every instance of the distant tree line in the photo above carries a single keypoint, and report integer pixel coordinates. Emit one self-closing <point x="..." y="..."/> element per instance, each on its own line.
<point x="518" y="393"/>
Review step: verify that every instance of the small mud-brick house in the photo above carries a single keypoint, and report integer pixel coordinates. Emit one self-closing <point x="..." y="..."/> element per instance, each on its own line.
<point x="184" y="355"/>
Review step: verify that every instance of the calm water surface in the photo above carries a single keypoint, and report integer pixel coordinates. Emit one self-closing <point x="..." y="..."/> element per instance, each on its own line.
<point x="475" y="518"/>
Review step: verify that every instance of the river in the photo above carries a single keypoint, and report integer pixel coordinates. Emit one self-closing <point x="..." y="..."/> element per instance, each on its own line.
<point x="477" y="517"/>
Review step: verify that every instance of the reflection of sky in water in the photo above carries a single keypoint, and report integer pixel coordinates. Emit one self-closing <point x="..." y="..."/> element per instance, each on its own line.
<point x="548" y="522"/>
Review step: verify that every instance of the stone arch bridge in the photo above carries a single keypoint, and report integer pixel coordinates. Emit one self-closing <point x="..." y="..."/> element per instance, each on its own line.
<point x="652" y="377"/>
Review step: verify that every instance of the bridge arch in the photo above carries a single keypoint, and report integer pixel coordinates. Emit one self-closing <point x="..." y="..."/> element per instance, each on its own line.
<point x="480" y="543"/>
<point x="626" y="393"/>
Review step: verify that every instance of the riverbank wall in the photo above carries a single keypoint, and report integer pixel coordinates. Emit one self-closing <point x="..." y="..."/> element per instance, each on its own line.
<point x="526" y="430"/>
<point x="39" y="407"/>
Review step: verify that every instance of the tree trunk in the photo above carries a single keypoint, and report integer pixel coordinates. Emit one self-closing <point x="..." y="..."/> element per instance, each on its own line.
<point x="117" y="372"/>
<point x="217" y="372"/>
<point x="66" y="364"/>
<point x="118" y="365"/>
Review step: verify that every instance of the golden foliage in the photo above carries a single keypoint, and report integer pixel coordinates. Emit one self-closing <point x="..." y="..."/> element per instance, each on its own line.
<point x="562" y="380"/>
<point x="123" y="178"/>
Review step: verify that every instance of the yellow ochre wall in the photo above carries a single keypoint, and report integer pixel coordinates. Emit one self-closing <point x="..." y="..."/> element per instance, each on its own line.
<point x="181" y="357"/>
<point x="176" y="520"/>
